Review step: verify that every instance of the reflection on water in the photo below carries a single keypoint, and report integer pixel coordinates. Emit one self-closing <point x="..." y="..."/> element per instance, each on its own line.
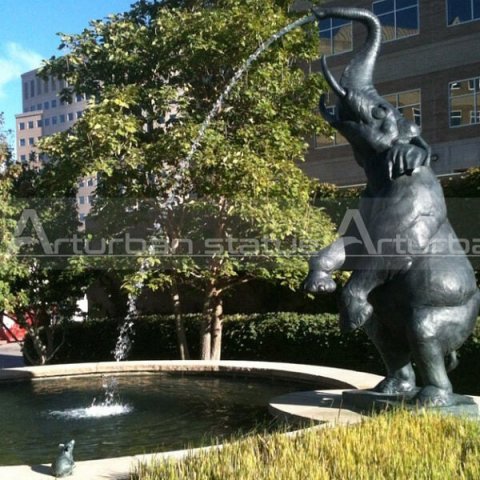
<point x="158" y="413"/>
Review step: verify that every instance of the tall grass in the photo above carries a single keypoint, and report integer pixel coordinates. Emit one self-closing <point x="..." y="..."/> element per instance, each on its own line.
<point x="396" y="446"/>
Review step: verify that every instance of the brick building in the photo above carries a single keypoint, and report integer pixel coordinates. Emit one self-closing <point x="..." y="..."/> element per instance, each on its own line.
<point x="429" y="67"/>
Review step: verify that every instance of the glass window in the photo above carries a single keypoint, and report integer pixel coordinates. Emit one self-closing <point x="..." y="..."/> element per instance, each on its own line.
<point x="408" y="103"/>
<point x="70" y="117"/>
<point x="54" y="104"/>
<point x="54" y="120"/>
<point x="90" y="182"/>
<point x="46" y="106"/>
<point x="32" y="108"/>
<point x="79" y="97"/>
<point x="39" y="106"/>
<point x="30" y="124"/>
<point x="81" y="183"/>
<point x="461" y="11"/>
<point x="90" y="199"/>
<point x="32" y="88"/>
<point x="25" y="90"/>
<point x="22" y="142"/>
<point x="40" y="123"/>
<point x="39" y="86"/>
<point x="399" y="18"/>
<point x="21" y="126"/>
<point x="464" y="102"/>
<point x="46" y="122"/>
<point x="23" y="158"/>
<point x="62" y="118"/>
<point x="31" y="141"/>
<point x="79" y="114"/>
<point x="335" y="36"/>
<point x="81" y="200"/>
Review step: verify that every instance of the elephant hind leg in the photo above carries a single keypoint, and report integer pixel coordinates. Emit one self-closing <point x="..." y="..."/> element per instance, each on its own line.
<point x="435" y="332"/>
<point x="395" y="355"/>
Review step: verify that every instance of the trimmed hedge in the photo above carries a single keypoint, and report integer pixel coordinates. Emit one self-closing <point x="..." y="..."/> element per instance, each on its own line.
<point x="277" y="337"/>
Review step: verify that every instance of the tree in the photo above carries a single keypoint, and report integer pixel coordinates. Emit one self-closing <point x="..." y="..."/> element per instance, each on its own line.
<point x="153" y="75"/>
<point x="10" y="268"/>
<point x="46" y="228"/>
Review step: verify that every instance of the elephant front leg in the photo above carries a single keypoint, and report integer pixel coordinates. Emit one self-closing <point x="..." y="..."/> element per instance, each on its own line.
<point x="321" y="267"/>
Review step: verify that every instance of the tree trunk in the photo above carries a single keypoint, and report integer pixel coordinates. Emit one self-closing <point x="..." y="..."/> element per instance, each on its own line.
<point x="179" y="325"/>
<point x="207" y="317"/>
<point x="217" y="327"/>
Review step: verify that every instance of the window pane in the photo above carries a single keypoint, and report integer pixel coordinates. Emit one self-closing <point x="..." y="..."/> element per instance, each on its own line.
<point x="477" y="106"/>
<point x="476" y="8"/>
<point x="325" y="42"/>
<point x="412" y="113"/>
<point x="459" y="11"/>
<point x="460" y="88"/>
<point x="340" y="22"/>
<point x="407" y="22"/>
<point x="323" y="141"/>
<point x="460" y="111"/>
<point x="325" y="24"/>
<point x="384" y="6"/>
<point x="340" y="139"/>
<point x="406" y="3"/>
<point x="342" y="39"/>
<point x="388" y="26"/>
<point x="409" y="98"/>
<point x="391" y="99"/>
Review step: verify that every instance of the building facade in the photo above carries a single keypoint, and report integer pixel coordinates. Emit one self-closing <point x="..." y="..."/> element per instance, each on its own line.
<point x="429" y="67"/>
<point x="45" y="114"/>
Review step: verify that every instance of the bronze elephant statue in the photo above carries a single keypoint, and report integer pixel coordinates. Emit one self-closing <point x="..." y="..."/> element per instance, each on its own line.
<point x="412" y="288"/>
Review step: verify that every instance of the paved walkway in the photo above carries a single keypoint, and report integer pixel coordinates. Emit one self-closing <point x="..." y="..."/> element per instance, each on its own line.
<point x="11" y="355"/>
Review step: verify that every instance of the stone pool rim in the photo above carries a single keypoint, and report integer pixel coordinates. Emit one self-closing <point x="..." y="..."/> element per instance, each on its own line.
<point x="120" y="467"/>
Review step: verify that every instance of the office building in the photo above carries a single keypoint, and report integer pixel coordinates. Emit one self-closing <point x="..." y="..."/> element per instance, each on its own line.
<point x="429" y="67"/>
<point x="44" y="113"/>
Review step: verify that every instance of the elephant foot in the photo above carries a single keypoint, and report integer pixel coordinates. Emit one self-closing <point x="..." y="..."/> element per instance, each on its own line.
<point x="354" y="313"/>
<point x="431" y="396"/>
<point x="394" y="385"/>
<point x="319" y="282"/>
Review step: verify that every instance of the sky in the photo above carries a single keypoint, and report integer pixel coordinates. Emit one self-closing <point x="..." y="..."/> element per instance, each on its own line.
<point x="28" y="34"/>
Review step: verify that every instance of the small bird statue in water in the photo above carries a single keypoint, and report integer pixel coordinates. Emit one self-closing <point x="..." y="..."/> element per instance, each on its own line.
<point x="63" y="465"/>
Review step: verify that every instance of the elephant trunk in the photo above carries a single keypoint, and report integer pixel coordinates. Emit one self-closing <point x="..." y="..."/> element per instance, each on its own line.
<point x="358" y="75"/>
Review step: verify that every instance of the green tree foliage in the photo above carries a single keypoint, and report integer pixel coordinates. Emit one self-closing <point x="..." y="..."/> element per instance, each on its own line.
<point x="39" y="281"/>
<point x="153" y="74"/>
<point x="51" y="282"/>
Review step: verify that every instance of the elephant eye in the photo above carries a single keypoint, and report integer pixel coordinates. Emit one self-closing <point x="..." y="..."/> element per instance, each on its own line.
<point x="379" y="112"/>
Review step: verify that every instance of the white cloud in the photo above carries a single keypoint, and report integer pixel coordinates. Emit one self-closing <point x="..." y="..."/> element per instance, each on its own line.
<point x="15" y="60"/>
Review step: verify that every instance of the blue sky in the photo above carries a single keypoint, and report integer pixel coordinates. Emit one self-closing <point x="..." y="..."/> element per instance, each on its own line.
<point x="28" y="31"/>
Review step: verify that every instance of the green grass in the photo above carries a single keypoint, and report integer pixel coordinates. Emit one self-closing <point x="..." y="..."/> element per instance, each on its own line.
<point x="396" y="446"/>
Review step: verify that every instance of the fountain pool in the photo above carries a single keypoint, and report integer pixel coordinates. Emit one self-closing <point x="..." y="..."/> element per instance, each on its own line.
<point x="153" y="413"/>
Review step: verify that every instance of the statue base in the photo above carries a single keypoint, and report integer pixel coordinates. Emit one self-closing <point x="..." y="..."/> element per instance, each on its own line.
<point x="368" y="401"/>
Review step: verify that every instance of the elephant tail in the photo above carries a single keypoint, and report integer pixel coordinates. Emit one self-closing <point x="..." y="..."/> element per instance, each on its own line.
<point x="451" y="361"/>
